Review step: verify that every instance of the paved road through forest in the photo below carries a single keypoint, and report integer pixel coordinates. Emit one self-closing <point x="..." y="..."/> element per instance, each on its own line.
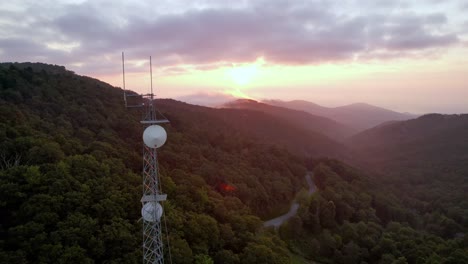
<point x="276" y="222"/>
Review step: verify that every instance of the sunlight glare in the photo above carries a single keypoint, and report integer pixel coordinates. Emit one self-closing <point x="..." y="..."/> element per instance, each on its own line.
<point x="243" y="74"/>
<point x="238" y="94"/>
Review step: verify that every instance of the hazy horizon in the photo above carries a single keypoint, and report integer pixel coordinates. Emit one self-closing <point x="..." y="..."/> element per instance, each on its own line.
<point x="218" y="99"/>
<point x="407" y="57"/>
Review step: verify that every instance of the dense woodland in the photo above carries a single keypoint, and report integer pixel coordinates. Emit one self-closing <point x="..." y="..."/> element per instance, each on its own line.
<point x="70" y="186"/>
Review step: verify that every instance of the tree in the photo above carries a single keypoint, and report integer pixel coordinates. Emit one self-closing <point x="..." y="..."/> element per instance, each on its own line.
<point x="203" y="259"/>
<point x="351" y="253"/>
<point x="202" y="233"/>
<point x="226" y="257"/>
<point x="261" y="254"/>
<point x="180" y="251"/>
<point x="327" y="215"/>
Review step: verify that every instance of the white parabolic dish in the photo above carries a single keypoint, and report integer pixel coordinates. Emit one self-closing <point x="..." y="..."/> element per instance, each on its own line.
<point x="151" y="211"/>
<point x="154" y="136"/>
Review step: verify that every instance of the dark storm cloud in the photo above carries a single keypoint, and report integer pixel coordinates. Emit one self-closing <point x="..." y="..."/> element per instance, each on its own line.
<point x="283" y="32"/>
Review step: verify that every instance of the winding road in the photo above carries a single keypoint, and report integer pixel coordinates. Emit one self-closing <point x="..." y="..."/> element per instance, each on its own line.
<point x="278" y="221"/>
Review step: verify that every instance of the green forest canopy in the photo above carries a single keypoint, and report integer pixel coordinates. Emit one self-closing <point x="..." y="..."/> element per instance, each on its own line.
<point x="70" y="185"/>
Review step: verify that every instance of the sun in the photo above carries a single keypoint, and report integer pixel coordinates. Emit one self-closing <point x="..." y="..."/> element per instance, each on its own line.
<point x="244" y="74"/>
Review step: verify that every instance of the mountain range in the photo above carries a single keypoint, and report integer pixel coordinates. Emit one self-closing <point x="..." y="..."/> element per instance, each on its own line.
<point x="70" y="180"/>
<point x="316" y="123"/>
<point x="264" y="127"/>
<point x="433" y="143"/>
<point x="358" y="116"/>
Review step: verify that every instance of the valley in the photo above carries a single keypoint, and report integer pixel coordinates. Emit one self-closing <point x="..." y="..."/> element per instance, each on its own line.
<point x="278" y="221"/>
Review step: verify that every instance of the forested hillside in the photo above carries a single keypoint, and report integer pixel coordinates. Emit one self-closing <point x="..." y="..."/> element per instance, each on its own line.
<point x="425" y="162"/>
<point x="353" y="219"/>
<point x="264" y="127"/>
<point x="323" y="126"/>
<point x="70" y="178"/>
<point x="70" y="185"/>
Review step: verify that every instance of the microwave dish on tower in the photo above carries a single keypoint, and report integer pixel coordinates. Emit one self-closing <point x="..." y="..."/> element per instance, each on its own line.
<point x="154" y="136"/>
<point x="151" y="212"/>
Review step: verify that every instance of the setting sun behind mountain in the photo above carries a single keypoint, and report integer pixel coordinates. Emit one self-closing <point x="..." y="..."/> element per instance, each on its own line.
<point x="244" y="74"/>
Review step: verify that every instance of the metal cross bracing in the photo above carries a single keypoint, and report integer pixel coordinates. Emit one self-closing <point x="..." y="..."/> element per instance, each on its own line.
<point x="152" y="230"/>
<point x="152" y="235"/>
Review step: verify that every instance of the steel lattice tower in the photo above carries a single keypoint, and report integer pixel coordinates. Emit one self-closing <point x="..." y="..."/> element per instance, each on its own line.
<point x="152" y="195"/>
<point x="152" y="235"/>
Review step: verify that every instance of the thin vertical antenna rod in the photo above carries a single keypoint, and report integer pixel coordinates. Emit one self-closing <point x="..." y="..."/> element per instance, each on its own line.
<point x="123" y="77"/>
<point x="151" y="76"/>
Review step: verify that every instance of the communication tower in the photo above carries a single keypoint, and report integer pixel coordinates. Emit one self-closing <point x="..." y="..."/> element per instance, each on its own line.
<point x="154" y="136"/>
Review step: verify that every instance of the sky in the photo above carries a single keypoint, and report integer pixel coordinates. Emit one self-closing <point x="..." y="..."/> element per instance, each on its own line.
<point x="408" y="56"/>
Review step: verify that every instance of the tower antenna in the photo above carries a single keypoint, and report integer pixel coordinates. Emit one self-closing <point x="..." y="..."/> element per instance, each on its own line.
<point x="123" y="79"/>
<point x="151" y="77"/>
<point x="154" y="136"/>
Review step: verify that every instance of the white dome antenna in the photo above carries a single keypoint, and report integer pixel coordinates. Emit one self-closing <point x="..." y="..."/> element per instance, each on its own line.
<point x="154" y="136"/>
<point x="152" y="212"/>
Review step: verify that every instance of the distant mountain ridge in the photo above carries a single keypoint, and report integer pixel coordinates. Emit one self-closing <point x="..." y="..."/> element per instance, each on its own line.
<point x="265" y="127"/>
<point x="359" y="116"/>
<point x="314" y="123"/>
<point x="432" y="142"/>
<point x="403" y="132"/>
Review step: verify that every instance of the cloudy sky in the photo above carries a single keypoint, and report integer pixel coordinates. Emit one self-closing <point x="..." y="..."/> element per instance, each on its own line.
<point x="403" y="55"/>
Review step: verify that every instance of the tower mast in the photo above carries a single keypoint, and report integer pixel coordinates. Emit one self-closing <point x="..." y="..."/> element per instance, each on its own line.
<point x="154" y="136"/>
